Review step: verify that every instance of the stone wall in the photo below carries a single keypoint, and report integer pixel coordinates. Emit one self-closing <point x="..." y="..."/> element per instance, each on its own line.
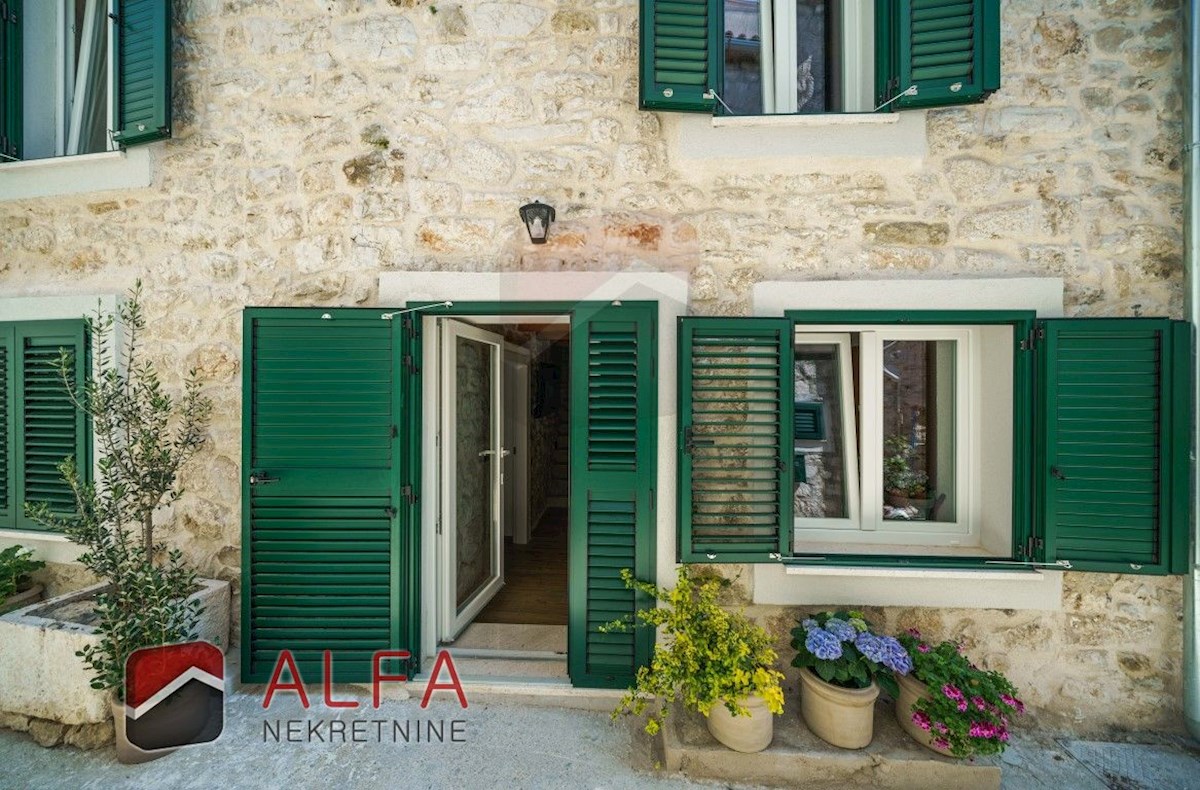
<point x="1109" y="662"/>
<point x="318" y="144"/>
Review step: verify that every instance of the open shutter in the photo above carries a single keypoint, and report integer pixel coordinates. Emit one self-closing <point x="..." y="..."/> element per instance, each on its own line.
<point x="613" y="472"/>
<point x="142" y="73"/>
<point x="735" y="439"/>
<point x="7" y="382"/>
<point x="680" y="54"/>
<point x="948" y="49"/>
<point x="10" y="80"/>
<point x="320" y="493"/>
<point x="1114" y="418"/>
<point x="48" y="426"/>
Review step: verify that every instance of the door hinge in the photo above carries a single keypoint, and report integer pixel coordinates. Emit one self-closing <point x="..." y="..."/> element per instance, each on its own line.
<point x="1036" y="334"/>
<point x="407" y="492"/>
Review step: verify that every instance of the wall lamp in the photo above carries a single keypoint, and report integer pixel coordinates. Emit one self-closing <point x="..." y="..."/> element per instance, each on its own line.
<point x="537" y="217"/>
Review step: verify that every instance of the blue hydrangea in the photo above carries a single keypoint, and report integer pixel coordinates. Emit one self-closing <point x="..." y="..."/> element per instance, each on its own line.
<point x="895" y="657"/>
<point x="823" y="644"/>
<point x="841" y="629"/>
<point x="870" y="646"/>
<point x="809" y="624"/>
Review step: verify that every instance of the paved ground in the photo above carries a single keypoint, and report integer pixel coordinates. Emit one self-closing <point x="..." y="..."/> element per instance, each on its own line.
<point x="506" y="745"/>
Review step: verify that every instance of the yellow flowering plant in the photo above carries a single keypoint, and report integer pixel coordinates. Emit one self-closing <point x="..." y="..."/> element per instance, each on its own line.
<point x="709" y="654"/>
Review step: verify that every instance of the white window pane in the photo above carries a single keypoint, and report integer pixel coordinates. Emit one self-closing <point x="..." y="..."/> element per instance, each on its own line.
<point x="919" y="452"/>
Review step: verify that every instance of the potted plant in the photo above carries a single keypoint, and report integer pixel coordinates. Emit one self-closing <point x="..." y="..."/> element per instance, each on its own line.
<point x="143" y="436"/>
<point x="713" y="661"/>
<point x="16" y="588"/>
<point x="903" y="486"/>
<point x="952" y="706"/>
<point x="842" y="666"/>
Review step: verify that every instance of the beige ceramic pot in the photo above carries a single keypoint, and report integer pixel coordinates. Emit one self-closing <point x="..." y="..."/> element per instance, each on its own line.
<point x="912" y="690"/>
<point x="842" y="717"/>
<point x="751" y="733"/>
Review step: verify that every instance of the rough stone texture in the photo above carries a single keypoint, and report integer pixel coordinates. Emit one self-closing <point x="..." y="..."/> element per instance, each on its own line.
<point x="1109" y="662"/>
<point x="318" y="144"/>
<point x="60" y="578"/>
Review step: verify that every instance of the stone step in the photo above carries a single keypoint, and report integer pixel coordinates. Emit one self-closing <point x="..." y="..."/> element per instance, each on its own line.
<point x="797" y="758"/>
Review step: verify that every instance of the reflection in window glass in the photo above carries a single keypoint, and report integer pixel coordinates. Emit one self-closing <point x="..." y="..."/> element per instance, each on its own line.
<point x="918" y="430"/>
<point x="820" y="456"/>
<point x="743" y="57"/>
<point x="810" y="64"/>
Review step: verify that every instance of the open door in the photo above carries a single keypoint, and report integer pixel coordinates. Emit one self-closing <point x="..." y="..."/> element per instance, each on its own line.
<point x="471" y="552"/>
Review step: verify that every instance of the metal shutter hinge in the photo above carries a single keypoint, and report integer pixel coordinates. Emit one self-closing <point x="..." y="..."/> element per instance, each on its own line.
<point x="1031" y="340"/>
<point x="391" y="511"/>
<point x="409" y="364"/>
<point x="395" y="431"/>
<point x="409" y="496"/>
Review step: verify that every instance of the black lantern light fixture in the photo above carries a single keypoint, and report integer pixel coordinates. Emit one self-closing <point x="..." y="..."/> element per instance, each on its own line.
<point x="537" y="217"/>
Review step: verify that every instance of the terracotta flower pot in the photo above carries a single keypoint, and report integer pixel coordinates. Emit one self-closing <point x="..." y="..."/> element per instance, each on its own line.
<point x="127" y="753"/>
<point x="912" y="690"/>
<point x="841" y="717"/>
<point x="751" y="733"/>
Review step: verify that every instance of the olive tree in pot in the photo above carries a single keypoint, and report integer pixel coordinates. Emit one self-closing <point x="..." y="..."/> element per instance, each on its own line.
<point x="713" y="661"/>
<point x="143" y="437"/>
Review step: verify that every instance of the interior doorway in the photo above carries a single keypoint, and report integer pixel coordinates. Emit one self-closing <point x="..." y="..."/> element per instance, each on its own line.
<point x="503" y="433"/>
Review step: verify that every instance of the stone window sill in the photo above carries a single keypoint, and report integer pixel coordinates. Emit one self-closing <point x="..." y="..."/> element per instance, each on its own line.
<point x="809" y="119"/>
<point x="1022" y="575"/>
<point x="73" y="175"/>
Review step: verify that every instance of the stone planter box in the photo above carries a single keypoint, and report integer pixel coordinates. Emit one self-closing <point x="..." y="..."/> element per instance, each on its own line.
<point x="42" y="678"/>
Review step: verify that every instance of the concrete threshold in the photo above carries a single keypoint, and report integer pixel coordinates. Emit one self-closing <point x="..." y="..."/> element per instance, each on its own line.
<point x="796" y="757"/>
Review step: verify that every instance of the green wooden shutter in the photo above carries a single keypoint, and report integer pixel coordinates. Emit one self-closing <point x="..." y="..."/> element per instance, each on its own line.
<point x="48" y="428"/>
<point x="1114" y="421"/>
<point x="321" y="518"/>
<point x="735" y="439"/>
<point x="10" y="80"/>
<point x="142" y="72"/>
<point x="949" y="49"/>
<point x="7" y="382"/>
<point x="613" y="472"/>
<point x="680" y="54"/>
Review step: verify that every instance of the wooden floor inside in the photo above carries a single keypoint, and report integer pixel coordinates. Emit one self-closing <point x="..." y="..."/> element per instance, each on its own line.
<point x="535" y="577"/>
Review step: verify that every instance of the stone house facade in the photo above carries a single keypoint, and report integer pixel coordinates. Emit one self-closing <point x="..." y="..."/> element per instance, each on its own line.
<point x="333" y="154"/>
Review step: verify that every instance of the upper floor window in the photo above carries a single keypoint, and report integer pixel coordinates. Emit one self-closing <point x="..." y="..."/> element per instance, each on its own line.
<point x="83" y="76"/>
<point x="754" y="57"/>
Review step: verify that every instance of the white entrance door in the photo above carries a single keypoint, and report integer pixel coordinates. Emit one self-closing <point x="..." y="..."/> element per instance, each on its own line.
<point x="471" y="551"/>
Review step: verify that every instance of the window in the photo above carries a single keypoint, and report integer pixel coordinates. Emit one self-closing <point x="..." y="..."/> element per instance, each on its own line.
<point x="752" y="57"/>
<point x="900" y="467"/>
<point x="934" y="439"/>
<point x="82" y="76"/>
<point x="39" y="424"/>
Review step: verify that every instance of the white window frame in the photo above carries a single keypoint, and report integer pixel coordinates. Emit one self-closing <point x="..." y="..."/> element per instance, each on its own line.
<point x="777" y="31"/>
<point x="68" y="114"/>
<point x="867" y="526"/>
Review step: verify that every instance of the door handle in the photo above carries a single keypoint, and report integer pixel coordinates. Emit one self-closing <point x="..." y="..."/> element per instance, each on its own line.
<point x="262" y="479"/>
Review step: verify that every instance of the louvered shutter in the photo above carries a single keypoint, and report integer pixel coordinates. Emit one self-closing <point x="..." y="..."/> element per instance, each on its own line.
<point x="1114" y="418"/>
<point x="680" y="54"/>
<point x="321" y="509"/>
<point x="7" y="384"/>
<point x="48" y="428"/>
<point x="142" y="72"/>
<point x="735" y="439"/>
<point x="949" y="49"/>
<point x="613" y="463"/>
<point x="10" y="80"/>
